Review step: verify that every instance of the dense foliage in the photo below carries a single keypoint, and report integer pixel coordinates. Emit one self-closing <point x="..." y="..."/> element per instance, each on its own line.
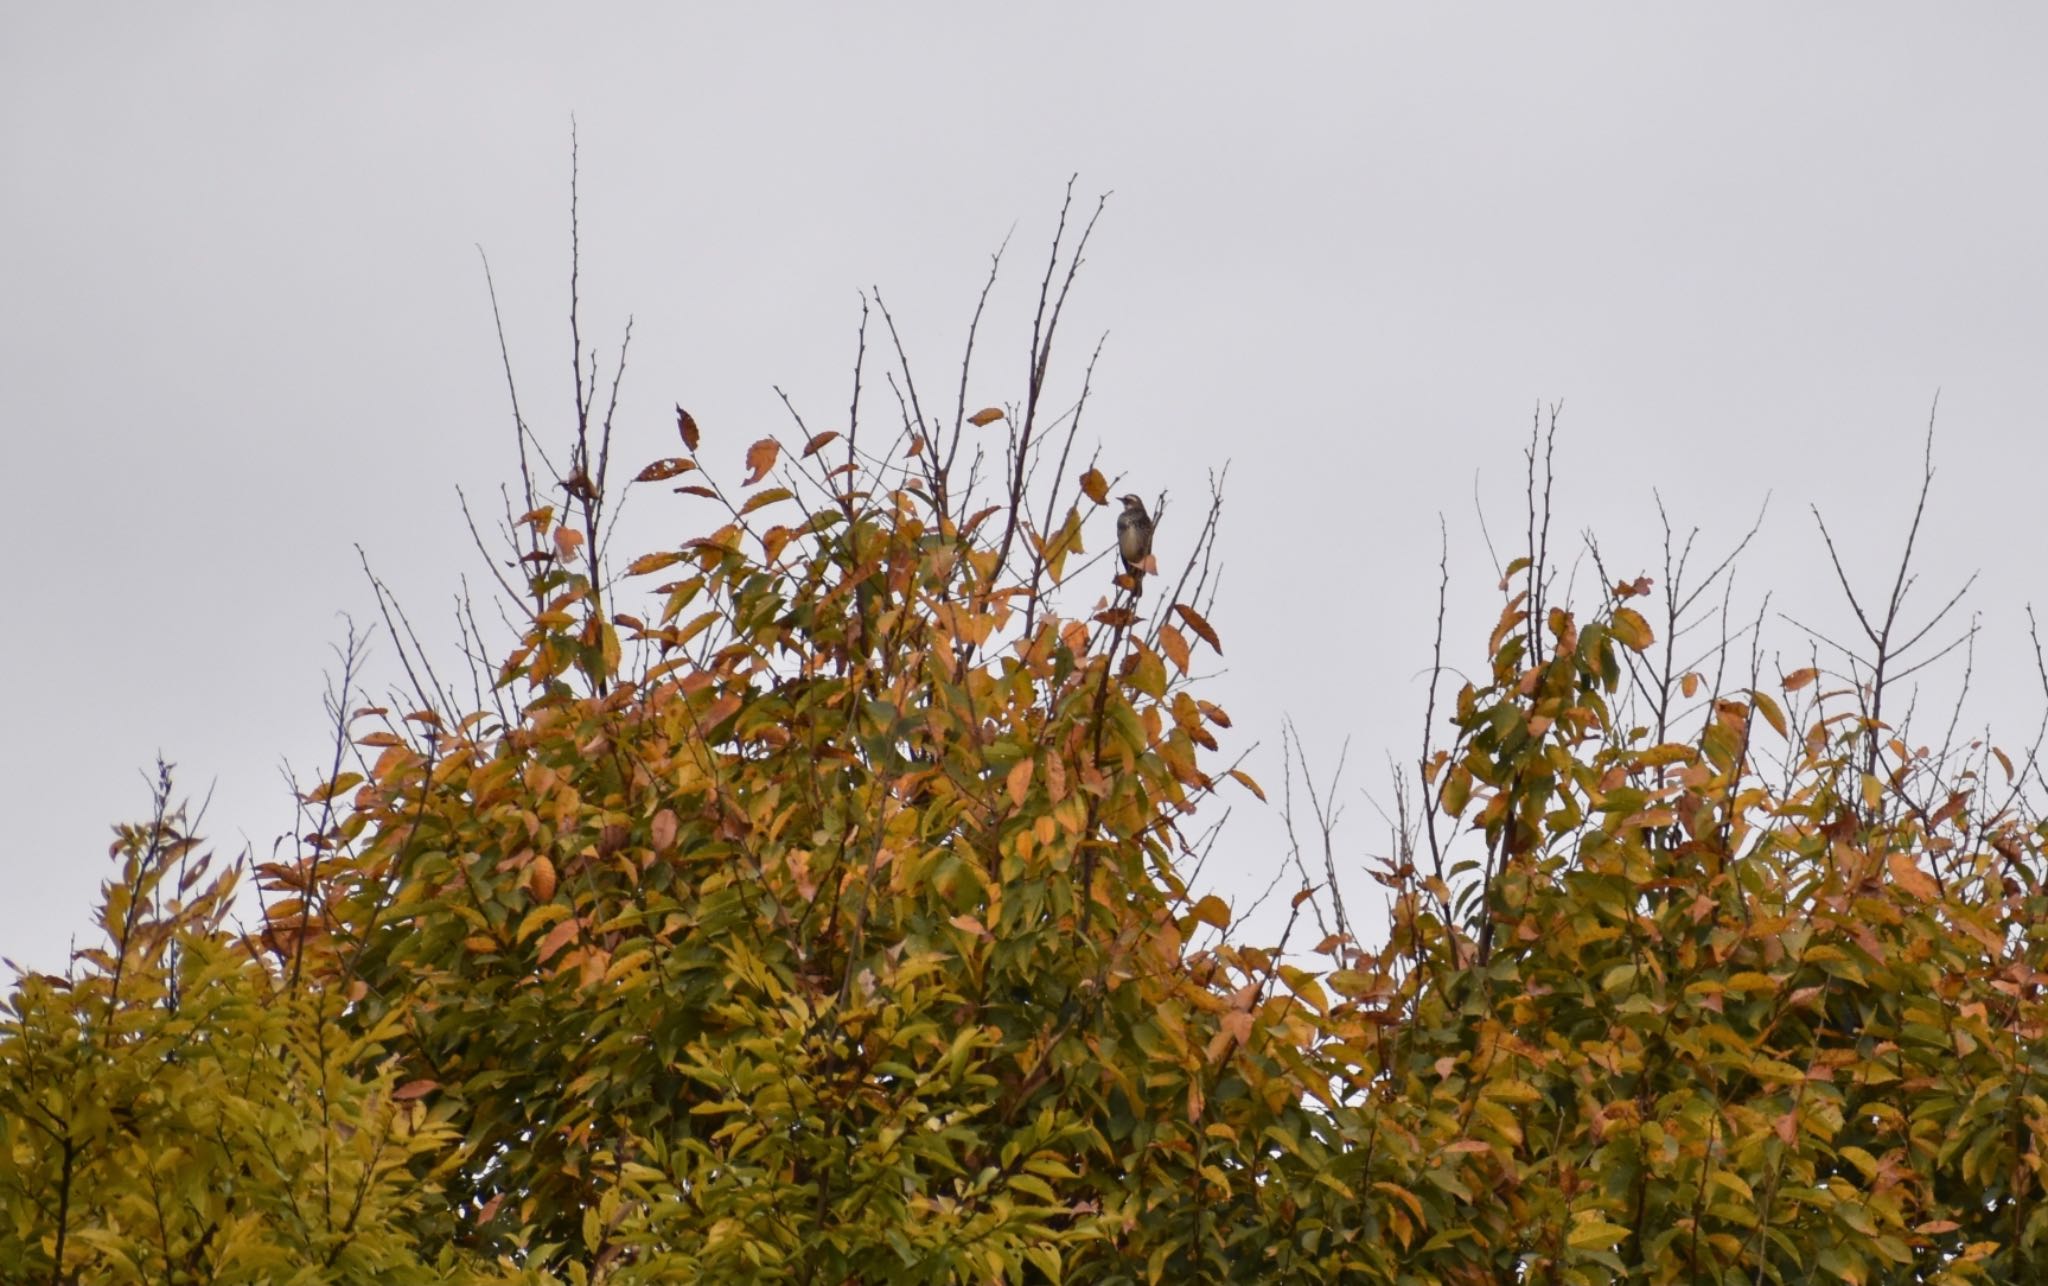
<point x="831" y="924"/>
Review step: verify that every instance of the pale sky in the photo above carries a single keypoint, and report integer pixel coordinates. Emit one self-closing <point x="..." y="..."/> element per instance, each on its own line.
<point x="1351" y="248"/>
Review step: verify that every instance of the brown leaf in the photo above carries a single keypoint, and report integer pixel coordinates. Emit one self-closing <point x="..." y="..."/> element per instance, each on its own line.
<point x="664" y="469"/>
<point x="986" y="416"/>
<point x="1095" y="487"/>
<point x="695" y="490"/>
<point x="687" y="426"/>
<point x="818" y="442"/>
<point x="1194" y="621"/>
<point x="663" y="829"/>
<point x="761" y="458"/>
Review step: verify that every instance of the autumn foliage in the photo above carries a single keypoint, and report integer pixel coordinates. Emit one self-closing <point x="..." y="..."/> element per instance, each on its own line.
<point x="808" y="903"/>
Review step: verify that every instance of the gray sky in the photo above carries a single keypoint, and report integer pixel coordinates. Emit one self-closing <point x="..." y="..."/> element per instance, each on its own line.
<point x="243" y="326"/>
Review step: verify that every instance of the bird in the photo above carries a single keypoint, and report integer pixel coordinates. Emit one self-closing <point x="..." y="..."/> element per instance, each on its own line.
<point x="1134" y="540"/>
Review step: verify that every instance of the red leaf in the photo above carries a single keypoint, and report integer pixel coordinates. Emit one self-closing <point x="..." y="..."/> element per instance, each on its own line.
<point x="415" y="1089"/>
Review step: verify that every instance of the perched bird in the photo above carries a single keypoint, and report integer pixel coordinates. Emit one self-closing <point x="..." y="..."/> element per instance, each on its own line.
<point x="1134" y="540"/>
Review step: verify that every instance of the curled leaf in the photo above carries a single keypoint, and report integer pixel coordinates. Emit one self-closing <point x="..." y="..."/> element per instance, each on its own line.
<point x="761" y="458"/>
<point x="818" y="442"/>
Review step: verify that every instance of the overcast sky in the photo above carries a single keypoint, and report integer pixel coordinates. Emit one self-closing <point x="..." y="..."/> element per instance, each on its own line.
<point x="243" y="326"/>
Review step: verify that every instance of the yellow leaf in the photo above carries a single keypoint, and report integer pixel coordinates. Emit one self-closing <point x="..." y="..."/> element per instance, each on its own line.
<point x="1771" y="713"/>
<point x="1595" y="1234"/>
<point x="767" y="497"/>
<point x="646" y="563"/>
<point x="1213" y="910"/>
<point x="537" y="917"/>
<point x="1629" y="627"/>
<point x="1095" y="487"/>
<point x="1244" y="779"/>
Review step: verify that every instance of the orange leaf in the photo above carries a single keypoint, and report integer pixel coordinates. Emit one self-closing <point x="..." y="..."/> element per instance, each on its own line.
<point x="1906" y="873"/>
<point x="415" y="1089"/>
<point x="986" y="416"/>
<point x="686" y="426"/>
<point x="542" y="881"/>
<point x="1095" y="487"/>
<point x="1195" y="622"/>
<point x="1244" y="779"/>
<point x="1020" y="781"/>
<point x="761" y="458"/>
<point x="567" y="541"/>
<point x="818" y="442"/>
<point x="558" y="937"/>
<point x="1689" y="684"/>
<point x="1800" y="678"/>
<point x="1175" y="645"/>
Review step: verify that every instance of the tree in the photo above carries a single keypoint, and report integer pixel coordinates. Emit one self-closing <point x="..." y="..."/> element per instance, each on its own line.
<point x="832" y="922"/>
